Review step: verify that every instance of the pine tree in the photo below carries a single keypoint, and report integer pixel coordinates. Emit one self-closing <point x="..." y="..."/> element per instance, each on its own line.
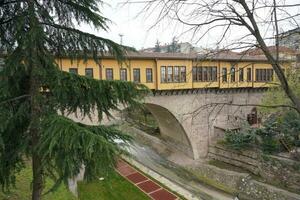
<point x="174" y="47"/>
<point x="157" y="46"/>
<point x="34" y="34"/>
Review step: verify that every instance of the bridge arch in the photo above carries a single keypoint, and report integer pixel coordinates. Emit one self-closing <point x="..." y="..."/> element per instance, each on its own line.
<point x="171" y="130"/>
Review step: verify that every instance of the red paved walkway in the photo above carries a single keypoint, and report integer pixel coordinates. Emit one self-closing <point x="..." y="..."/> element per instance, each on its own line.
<point x="153" y="190"/>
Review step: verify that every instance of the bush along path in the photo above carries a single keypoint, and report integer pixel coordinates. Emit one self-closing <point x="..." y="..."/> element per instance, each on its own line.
<point x="149" y="187"/>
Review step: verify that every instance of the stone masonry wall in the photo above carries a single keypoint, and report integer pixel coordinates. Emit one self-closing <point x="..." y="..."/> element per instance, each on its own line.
<point x="199" y="112"/>
<point x="273" y="169"/>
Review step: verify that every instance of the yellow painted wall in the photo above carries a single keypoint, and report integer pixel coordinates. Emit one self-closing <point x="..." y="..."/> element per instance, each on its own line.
<point x="81" y="65"/>
<point x="99" y="72"/>
<point x="113" y="64"/>
<point x="229" y="83"/>
<point x="143" y="65"/>
<point x="244" y="66"/>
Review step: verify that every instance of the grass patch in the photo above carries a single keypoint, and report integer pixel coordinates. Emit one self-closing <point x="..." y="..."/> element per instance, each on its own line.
<point x="114" y="187"/>
<point x="23" y="189"/>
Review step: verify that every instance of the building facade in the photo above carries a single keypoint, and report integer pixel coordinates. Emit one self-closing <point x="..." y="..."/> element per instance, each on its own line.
<point x="290" y="39"/>
<point x="162" y="71"/>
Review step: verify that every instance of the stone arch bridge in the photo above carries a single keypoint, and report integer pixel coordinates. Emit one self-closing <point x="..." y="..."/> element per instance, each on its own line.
<point x="190" y="120"/>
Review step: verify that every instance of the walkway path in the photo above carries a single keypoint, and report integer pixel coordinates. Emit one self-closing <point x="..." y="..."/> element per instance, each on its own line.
<point x="149" y="187"/>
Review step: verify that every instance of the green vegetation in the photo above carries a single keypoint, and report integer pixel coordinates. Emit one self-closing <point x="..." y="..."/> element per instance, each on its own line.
<point x="280" y="132"/>
<point x="35" y="35"/>
<point x="240" y="139"/>
<point x="142" y="118"/>
<point x="22" y="190"/>
<point x="114" y="187"/>
<point x="277" y="96"/>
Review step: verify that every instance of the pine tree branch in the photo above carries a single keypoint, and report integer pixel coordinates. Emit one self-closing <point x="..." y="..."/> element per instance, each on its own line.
<point x="72" y="93"/>
<point x="68" y="145"/>
<point x="14" y="99"/>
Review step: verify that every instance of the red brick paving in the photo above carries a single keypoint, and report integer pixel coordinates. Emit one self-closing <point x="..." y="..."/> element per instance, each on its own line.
<point x="126" y="170"/>
<point x="163" y="195"/>
<point x="149" y="187"/>
<point x="136" y="177"/>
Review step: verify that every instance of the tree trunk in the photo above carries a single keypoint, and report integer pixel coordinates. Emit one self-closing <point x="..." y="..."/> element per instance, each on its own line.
<point x="37" y="184"/>
<point x="35" y="103"/>
<point x="274" y="62"/>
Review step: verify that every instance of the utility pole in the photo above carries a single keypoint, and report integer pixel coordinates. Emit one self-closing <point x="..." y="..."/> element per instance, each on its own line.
<point x="121" y="38"/>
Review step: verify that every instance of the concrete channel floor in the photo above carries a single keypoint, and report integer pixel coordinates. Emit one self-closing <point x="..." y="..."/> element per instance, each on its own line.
<point x="142" y="151"/>
<point x="149" y="187"/>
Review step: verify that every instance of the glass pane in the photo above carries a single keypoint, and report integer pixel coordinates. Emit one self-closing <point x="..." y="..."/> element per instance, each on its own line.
<point x="182" y="74"/>
<point x="109" y="74"/>
<point x="89" y="72"/>
<point x="224" y="74"/>
<point x="163" y="74"/>
<point x="123" y="74"/>
<point x="73" y="70"/>
<point x="194" y="73"/>
<point x="149" y="75"/>
<point x="136" y="75"/>
<point x="199" y="73"/>
<point x="241" y="74"/>
<point x="232" y="73"/>
<point x="170" y="74"/>
<point x="214" y="74"/>
<point x="176" y="74"/>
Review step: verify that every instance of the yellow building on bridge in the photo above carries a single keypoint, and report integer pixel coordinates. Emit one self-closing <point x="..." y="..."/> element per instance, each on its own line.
<point x="174" y="71"/>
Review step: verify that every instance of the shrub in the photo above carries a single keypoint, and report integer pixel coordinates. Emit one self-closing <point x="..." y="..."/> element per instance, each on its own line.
<point x="239" y="139"/>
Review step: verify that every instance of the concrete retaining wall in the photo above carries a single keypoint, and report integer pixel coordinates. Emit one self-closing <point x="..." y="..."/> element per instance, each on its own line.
<point x="273" y="169"/>
<point x="240" y="184"/>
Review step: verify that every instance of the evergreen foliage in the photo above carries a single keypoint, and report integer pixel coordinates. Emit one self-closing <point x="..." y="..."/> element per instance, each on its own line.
<point x="34" y="34"/>
<point x="157" y="46"/>
<point x="284" y="126"/>
<point x="240" y="139"/>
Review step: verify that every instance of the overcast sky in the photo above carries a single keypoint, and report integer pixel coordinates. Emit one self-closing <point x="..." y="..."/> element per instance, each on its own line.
<point x="134" y="28"/>
<point x="138" y="33"/>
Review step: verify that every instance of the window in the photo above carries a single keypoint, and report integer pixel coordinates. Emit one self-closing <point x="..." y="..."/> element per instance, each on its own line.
<point x="182" y="74"/>
<point x="232" y="74"/>
<point x="1" y="64"/>
<point x="136" y="75"/>
<point x="249" y="74"/>
<point x="173" y="74"/>
<point x="214" y="74"/>
<point x="163" y="74"/>
<point x="123" y="74"/>
<point x="170" y="74"/>
<point x="73" y="70"/>
<point x="269" y="75"/>
<point x="264" y="75"/>
<point x="209" y="73"/>
<point x="149" y="77"/>
<point x="224" y="74"/>
<point x="199" y="74"/>
<point x="241" y="74"/>
<point x="204" y="74"/>
<point x="176" y="74"/>
<point x="194" y="73"/>
<point x="89" y="72"/>
<point x="109" y="74"/>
